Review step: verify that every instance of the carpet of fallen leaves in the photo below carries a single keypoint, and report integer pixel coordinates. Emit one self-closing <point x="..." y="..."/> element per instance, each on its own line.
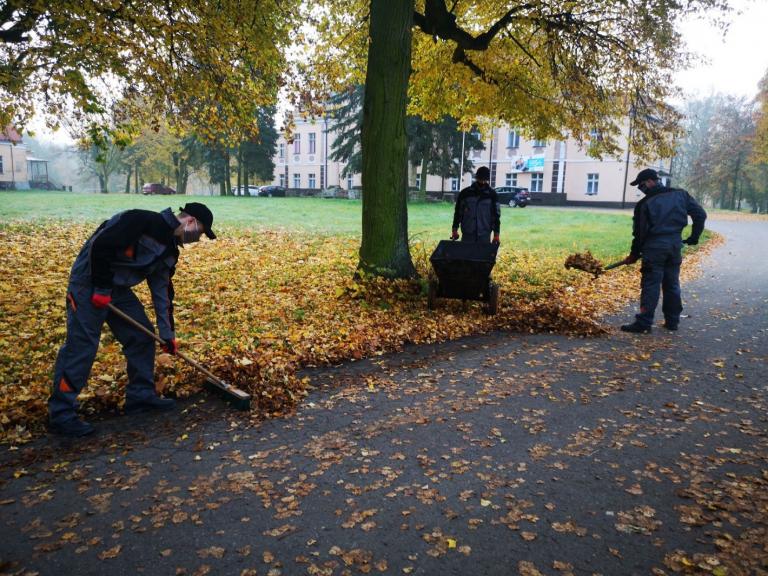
<point x="255" y="308"/>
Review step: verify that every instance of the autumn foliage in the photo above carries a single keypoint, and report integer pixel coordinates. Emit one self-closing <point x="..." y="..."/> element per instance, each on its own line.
<point x="256" y="308"/>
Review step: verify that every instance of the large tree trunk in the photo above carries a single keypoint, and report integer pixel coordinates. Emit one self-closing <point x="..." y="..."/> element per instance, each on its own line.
<point x="384" y="250"/>
<point x="136" y="183"/>
<point x="128" y="182"/>
<point x="184" y="178"/>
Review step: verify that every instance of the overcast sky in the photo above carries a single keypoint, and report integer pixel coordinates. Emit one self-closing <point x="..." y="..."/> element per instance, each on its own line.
<point x="737" y="61"/>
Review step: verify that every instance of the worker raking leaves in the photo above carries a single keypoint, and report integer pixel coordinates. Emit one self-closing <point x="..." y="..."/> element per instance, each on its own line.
<point x="131" y="247"/>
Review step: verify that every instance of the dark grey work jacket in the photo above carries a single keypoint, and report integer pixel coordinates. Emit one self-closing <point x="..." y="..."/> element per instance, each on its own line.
<point x="660" y="217"/>
<point x="131" y="247"/>
<point x="478" y="212"/>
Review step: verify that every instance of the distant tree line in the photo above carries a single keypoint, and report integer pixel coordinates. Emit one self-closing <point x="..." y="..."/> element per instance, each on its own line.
<point x="156" y="154"/>
<point x="723" y="158"/>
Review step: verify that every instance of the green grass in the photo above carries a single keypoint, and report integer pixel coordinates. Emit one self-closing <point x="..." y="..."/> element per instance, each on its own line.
<point x="533" y="229"/>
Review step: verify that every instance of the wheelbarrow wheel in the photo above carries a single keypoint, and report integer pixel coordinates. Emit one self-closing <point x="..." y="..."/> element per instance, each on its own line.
<point x="432" y="295"/>
<point x="492" y="307"/>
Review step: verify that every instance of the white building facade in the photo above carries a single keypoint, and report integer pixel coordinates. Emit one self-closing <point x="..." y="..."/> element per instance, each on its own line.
<point x="557" y="172"/>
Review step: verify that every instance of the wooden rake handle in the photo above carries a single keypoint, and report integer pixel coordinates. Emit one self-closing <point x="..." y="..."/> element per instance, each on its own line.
<point x="614" y="265"/>
<point x="151" y="334"/>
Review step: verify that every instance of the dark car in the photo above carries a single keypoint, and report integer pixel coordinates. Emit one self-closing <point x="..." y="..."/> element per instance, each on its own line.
<point x="157" y="188"/>
<point x="271" y="191"/>
<point x="513" y="196"/>
<point x="333" y="192"/>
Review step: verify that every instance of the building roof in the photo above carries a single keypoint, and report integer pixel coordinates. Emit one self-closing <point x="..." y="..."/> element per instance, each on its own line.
<point x="9" y="134"/>
<point x="33" y="159"/>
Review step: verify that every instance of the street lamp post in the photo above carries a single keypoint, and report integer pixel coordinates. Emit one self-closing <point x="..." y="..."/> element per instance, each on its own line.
<point x="326" y="181"/>
<point x="461" y="162"/>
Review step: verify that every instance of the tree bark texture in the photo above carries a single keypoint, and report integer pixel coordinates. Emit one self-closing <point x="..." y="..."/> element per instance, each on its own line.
<point x="384" y="250"/>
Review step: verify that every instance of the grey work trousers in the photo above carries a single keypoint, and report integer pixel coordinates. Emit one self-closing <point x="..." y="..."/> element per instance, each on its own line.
<point x="76" y="356"/>
<point x="660" y="275"/>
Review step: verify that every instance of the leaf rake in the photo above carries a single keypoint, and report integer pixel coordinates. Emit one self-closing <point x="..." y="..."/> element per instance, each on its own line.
<point x="234" y="396"/>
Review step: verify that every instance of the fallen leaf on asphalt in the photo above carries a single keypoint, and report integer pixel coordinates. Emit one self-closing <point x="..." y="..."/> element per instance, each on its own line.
<point x="211" y="552"/>
<point x="113" y="552"/>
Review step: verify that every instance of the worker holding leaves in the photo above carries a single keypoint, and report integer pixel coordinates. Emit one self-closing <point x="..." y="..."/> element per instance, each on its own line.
<point x="658" y="222"/>
<point x="131" y="247"/>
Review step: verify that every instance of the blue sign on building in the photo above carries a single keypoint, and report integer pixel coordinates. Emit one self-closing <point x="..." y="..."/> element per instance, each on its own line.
<point x="535" y="164"/>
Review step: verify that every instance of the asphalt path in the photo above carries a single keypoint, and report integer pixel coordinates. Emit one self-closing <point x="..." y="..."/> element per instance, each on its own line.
<point x="501" y="454"/>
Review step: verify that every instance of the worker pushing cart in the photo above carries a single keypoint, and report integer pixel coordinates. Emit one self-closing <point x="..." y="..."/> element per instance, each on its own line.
<point x="463" y="268"/>
<point x="477" y="211"/>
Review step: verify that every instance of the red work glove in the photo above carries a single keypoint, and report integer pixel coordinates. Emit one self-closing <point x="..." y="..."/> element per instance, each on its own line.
<point x="454" y="234"/>
<point x="496" y="239"/>
<point x="100" y="300"/>
<point x="170" y="346"/>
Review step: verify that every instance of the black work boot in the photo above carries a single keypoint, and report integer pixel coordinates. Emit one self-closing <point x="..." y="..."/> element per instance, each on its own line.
<point x="151" y="404"/>
<point x="73" y="427"/>
<point x="670" y="326"/>
<point x="636" y="328"/>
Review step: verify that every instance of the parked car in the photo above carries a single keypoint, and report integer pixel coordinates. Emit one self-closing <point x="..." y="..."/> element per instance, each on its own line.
<point x="243" y="191"/>
<point x="270" y="191"/>
<point x="157" y="188"/>
<point x="333" y="192"/>
<point x="513" y="196"/>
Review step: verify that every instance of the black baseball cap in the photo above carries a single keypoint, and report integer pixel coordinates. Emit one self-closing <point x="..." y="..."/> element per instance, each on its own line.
<point x="483" y="173"/>
<point x="203" y="215"/>
<point x="647" y="174"/>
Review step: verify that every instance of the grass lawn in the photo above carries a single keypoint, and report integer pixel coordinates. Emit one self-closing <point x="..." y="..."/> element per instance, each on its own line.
<point x="277" y="291"/>
<point x="533" y="229"/>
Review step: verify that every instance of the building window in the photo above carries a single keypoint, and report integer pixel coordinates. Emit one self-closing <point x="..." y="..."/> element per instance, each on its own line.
<point x="595" y="134"/>
<point x="297" y="144"/>
<point x="349" y="182"/>
<point x="510" y="179"/>
<point x="1" y="164"/>
<point x="539" y="143"/>
<point x="537" y="182"/>
<point x="593" y="180"/>
<point x="312" y="181"/>
<point x="282" y="151"/>
<point x="454" y="184"/>
<point x="418" y="181"/>
<point x="282" y="180"/>
<point x="297" y="180"/>
<point x="312" y="137"/>
<point x="513" y="139"/>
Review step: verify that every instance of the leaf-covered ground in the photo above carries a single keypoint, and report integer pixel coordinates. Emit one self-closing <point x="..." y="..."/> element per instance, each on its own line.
<point x="256" y="308"/>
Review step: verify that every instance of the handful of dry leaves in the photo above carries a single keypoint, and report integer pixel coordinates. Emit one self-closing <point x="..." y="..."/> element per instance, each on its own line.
<point x="585" y="262"/>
